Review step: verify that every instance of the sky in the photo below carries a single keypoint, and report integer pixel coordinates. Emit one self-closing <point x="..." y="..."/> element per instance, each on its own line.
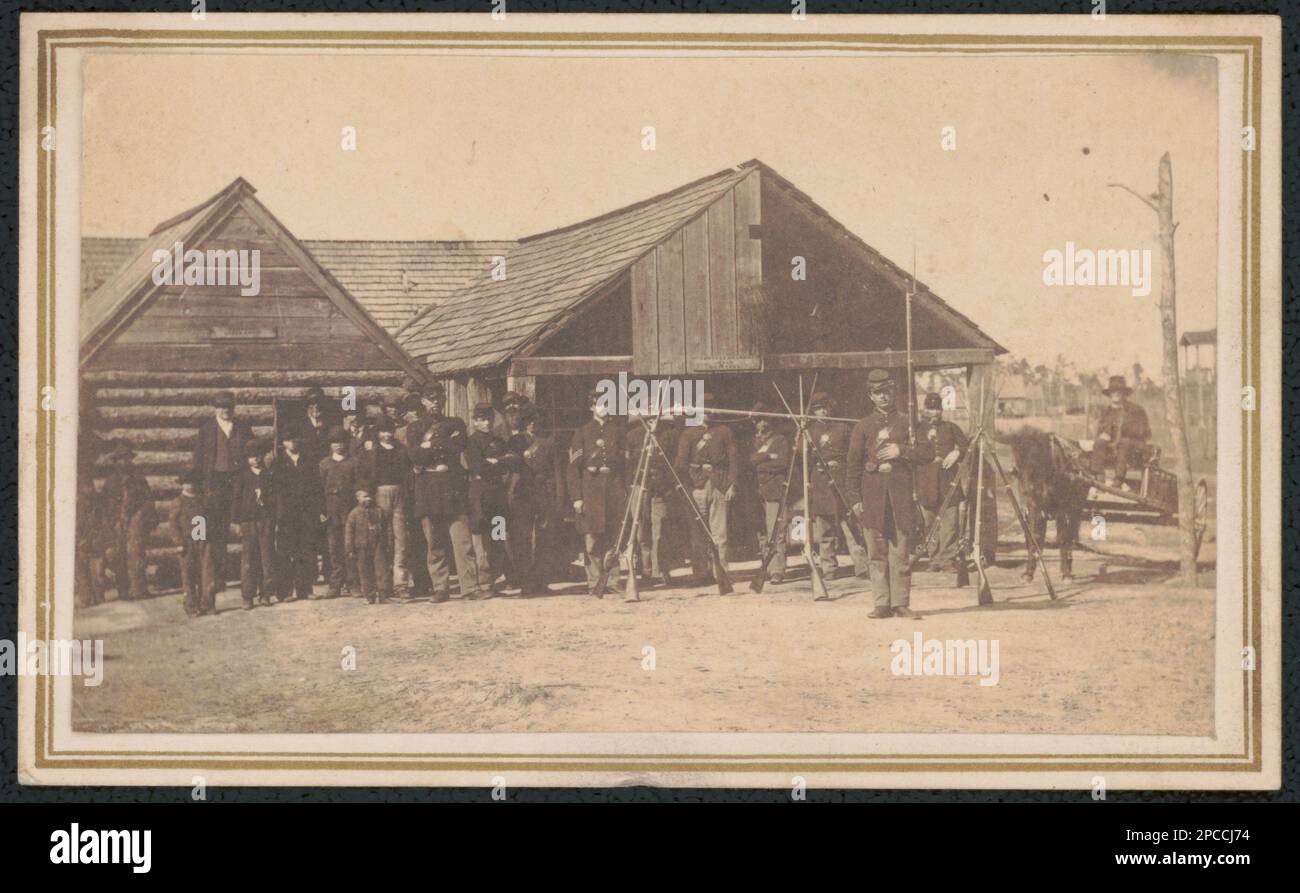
<point x="472" y="147"/>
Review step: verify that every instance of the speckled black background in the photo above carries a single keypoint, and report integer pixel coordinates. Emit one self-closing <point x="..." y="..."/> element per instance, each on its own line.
<point x="11" y="791"/>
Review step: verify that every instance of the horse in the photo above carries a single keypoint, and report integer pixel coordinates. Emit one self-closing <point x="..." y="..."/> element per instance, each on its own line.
<point x="1048" y="488"/>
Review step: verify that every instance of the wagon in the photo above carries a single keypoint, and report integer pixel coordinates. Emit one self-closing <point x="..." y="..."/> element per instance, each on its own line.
<point x="1150" y="498"/>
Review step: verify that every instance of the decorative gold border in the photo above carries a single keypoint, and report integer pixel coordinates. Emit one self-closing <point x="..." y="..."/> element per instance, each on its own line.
<point x="1249" y="47"/>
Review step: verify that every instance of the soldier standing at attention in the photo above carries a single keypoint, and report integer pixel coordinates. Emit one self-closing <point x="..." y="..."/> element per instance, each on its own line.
<point x="195" y="554"/>
<point x="880" y="477"/>
<point x="596" y="483"/>
<point x="339" y="478"/>
<point x="255" y="526"/>
<point x="296" y="500"/>
<point x="366" y="537"/>
<point x="487" y="509"/>
<point x="706" y="457"/>
<point x="440" y="505"/>
<point x="131" y="512"/>
<point x="771" y="462"/>
<point x="828" y="517"/>
<point x="934" y="478"/>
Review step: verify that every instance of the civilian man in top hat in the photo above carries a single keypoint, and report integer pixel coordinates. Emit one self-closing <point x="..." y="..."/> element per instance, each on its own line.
<point x="220" y="451"/>
<point x="707" y="459"/>
<point x="771" y="462"/>
<point x="934" y="478"/>
<point x="1122" y="433"/>
<point x="881" y="463"/>
<point x="596" y="483"/>
<point x="296" y="504"/>
<point x="315" y="428"/>
<point x="828" y="517"/>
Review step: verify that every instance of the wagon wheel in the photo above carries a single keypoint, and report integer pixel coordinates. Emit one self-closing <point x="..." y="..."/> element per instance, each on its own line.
<point x="1200" y="514"/>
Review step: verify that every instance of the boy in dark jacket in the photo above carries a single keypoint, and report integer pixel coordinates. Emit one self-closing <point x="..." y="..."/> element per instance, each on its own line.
<point x="253" y="514"/>
<point x="366" y="538"/>
<point x="194" y="550"/>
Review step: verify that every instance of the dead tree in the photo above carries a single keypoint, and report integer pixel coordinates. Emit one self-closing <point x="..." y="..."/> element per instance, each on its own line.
<point x="1162" y="202"/>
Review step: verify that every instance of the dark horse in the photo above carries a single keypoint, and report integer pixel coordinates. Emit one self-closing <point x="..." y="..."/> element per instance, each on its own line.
<point x="1047" y="489"/>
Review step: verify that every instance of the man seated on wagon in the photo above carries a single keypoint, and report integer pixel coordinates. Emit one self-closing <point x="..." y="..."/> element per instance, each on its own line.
<point x="1122" y="434"/>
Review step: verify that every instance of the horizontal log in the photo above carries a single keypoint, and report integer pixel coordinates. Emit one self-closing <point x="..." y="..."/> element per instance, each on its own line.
<point x="165" y="438"/>
<point x="144" y="377"/>
<point x="887" y="359"/>
<point x="247" y="396"/>
<point x="203" y="329"/>
<point x="136" y="416"/>
<point x="252" y="356"/>
<point x="570" y="365"/>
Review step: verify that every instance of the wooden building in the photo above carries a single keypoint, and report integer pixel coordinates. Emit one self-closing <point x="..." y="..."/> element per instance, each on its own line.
<point x="736" y="278"/>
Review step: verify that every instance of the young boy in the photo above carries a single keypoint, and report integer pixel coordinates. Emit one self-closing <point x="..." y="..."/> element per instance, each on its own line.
<point x="195" y="554"/>
<point x="366" y="538"/>
<point x="252" y="512"/>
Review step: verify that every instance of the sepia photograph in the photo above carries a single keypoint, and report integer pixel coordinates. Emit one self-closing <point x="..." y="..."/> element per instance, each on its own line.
<point x="736" y="401"/>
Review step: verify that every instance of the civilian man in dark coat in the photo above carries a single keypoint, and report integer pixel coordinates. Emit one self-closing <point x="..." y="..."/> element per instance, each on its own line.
<point x="297" y="503"/>
<point x="828" y="517"/>
<point x="487" y="497"/>
<point x="440" y="504"/>
<point x="936" y="477"/>
<point x="189" y="511"/>
<point x="1122" y="433"/>
<point x="219" y="454"/>
<point x="253" y="513"/>
<point x="339" y="480"/>
<point x="543" y="462"/>
<point x="881" y="463"/>
<point x="596" y="483"/>
<point x="707" y="459"/>
<point x="520" y="497"/>
<point x="770" y="460"/>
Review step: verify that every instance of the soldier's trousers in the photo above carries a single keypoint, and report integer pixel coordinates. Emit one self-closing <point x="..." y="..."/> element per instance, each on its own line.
<point x="547" y="558"/>
<point x="596" y="545"/>
<point x="392" y="499"/>
<point x="943" y="547"/>
<point x="826" y="528"/>
<point x="891" y="571"/>
<point x="196" y="576"/>
<point x="775" y="523"/>
<point x="650" y="534"/>
<point x="444" y="534"/>
<point x="130" y="558"/>
<point x="713" y="507"/>
<point x="295" y="556"/>
<point x="374" y="568"/>
<point x="521" y="528"/>
<point x="256" y="559"/>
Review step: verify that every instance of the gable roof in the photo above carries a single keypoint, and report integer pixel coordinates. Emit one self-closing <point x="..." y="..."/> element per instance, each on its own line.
<point x="1208" y="336"/>
<point x="120" y="298"/>
<point x="551" y="274"/>
<point x="393" y="280"/>
<point x="554" y="273"/>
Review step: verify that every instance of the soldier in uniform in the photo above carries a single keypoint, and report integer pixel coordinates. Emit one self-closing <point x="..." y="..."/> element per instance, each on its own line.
<point x="706" y="458"/>
<point x="1122" y="433"/>
<point x="934" y="478"/>
<point x="770" y="460"/>
<point x="881" y="464"/>
<point x="297" y="505"/>
<point x="540" y="457"/>
<point x="366" y="539"/>
<point x="440" y="505"/>
<point x="339" y="478"/>
<point x="829" y="520"/>
<point x="131" y="512"/>
<point x="657" y="499"/>
<point x="195" y="554"/>
<point x="487" y="496"/>
<point x="596" y="483"/>
<point x="254" y="518"/>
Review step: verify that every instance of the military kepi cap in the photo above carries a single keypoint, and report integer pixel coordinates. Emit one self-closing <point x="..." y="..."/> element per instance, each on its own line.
<point x="933" y="401"/>
<point x="879" y="380"/>
<point x="483" y="410"/>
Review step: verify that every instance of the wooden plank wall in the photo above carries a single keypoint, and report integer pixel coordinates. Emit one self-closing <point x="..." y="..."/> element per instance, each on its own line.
<point x="697" y="294"/>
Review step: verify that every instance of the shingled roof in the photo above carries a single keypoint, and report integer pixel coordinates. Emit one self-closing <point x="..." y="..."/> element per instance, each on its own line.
<point x="392" y="280"/>
<point x="548" y="275"/>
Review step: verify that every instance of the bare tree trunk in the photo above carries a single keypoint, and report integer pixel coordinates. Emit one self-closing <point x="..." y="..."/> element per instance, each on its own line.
<point x="1162" y="202"/>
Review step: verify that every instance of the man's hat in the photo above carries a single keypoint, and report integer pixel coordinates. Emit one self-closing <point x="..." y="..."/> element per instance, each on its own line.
<point x="514" y="399"/>
<point x="189" y="477"/>
<point x="313" y="395"/>
<point x="1117" y="385"/>
<point x="482" y="411"/>
<point x="255" y="447"/>
<point x="821" y="400"/>
<point x="434" y="392"/>
<point x="339" y="435"/>
<point x="411" y="403"/>
<point x="224" y="400"/>
<point x="384" y="424"/>
<point x="879" y="380"/>
<point x="410" y="384"/>
<point x="933" y="401"/>
<point x="363" y="488"/>
<point x="290" y="432"/>
<point x="528" y="413"/>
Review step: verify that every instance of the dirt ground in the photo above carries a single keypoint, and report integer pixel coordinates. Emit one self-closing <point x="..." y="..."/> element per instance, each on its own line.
<point x="1120" y="651"/>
